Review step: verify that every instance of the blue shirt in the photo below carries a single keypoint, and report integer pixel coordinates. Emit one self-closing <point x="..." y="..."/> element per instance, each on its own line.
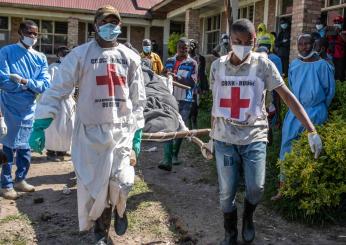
<point x="188" y="68"/>
<point x="17" y="101"/>
<point x="277" y="61"/>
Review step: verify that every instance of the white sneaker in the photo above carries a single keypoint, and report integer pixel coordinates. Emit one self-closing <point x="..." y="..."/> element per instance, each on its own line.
<point x="9" y="193"/>
<point x="24" y="186"/>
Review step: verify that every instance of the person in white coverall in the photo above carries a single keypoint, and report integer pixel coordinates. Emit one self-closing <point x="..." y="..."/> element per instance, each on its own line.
<point x="59" y="133"/>
<point x="109" y="111"/>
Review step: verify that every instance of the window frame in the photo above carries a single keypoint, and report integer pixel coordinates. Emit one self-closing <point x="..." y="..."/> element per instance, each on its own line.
<point x="207" y="32"/>
<point x="8" y="30"/>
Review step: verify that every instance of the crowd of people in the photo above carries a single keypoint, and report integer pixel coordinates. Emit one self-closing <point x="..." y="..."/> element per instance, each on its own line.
<point x="92" y="98"/>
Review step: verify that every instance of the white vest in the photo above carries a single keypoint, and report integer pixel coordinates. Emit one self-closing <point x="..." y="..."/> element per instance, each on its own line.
<point x="238" y="99"/>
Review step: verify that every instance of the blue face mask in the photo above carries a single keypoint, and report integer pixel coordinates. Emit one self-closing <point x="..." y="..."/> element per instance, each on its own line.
<point x="284" y="26"/>
<point x="147" y="49"/>
<point x="109" y="32"/>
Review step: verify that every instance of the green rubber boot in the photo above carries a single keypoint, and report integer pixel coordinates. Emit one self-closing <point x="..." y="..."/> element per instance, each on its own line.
<point x="176" y="148"/>
<point x="166" y="163"/>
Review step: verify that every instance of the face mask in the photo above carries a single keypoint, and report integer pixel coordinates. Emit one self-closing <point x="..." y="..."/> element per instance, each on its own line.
<point x="241" y="51"/>
<point x="61" y="59"/>
<point x="28" y="41"/>
<point x="319" y="27"/>
<point x="109" y="32"/>
<point x="225" y="41"/>
<point x="312" y="53"/>
<point x="147" y="49"/>
<point x="339" y="26"/>
<point x="284" y="26"/>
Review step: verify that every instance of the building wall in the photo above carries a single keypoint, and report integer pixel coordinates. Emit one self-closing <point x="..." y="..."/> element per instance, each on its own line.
<point x="271" y="16"/>
<point x="156" y="33"/>
<point x="137" y="35"/>
<point x="81" y="33"/>
<point x="15" y="22"/>
<point x="223" y="22"/>
<point x="259" y="13"/>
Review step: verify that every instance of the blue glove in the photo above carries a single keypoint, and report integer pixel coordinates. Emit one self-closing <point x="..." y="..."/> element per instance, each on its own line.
<point x="37" y="138"/>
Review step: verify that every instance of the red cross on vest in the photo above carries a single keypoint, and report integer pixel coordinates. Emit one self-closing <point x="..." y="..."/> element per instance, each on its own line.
<point x="111" y="79"/>
<point x="235" y="103"/>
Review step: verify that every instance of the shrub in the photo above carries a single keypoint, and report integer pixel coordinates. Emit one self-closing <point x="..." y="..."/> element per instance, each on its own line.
<point x="314" y="187"/>
<point x="172" y="42"/>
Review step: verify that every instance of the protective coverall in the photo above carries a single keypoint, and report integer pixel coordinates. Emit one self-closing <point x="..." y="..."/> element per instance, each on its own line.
<point x="109" y="111"/>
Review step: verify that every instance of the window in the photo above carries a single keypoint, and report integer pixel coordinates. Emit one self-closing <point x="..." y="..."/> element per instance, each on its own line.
<point x="286" y="7"/>
<point x="333" y="8"/>
<point x="212" y="32"/>
<point x="4" y="31"/>
<point x="52" y="35"/>
<point x="247" y="12"/>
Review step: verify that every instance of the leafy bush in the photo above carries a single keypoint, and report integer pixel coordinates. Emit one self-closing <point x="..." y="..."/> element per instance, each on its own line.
<point x="206" y="101"/>
<point x="316" y="187"/>
<point x="172" y="42"/>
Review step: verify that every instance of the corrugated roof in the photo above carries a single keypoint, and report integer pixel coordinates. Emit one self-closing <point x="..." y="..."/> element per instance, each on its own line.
<point x="132" y="7"/>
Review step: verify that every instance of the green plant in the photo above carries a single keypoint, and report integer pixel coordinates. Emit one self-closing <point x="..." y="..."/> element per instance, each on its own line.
<point x="314" y="188"/>
<point x="172" y="42"/>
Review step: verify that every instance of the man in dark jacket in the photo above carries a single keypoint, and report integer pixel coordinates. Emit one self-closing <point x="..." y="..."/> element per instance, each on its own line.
<point x="282" y="44"/>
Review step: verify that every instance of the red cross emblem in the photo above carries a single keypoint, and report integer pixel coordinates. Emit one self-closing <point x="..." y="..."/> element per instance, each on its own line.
<point x="111" y="79"/>
<point x="235" y="103"/>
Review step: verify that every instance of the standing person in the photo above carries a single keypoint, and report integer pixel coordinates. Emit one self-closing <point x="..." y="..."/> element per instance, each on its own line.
<point x="282" y="44"/>
<point x="321" y="47"/>
<point x="109" y="111"/>
<point x="311" y="80"/>
<point x="202" y="81"/>
<point x="262" y="32"/>
<point x="59" y="133"/>
<point x="223" y="47"/>
<point x="151" y="59"/>
<point x="239" y="125"/>
<point x="184" y="70"/>
<point x="321" y="27"/>
<point x="337" y="46"/>
<point x="23" y="75"/>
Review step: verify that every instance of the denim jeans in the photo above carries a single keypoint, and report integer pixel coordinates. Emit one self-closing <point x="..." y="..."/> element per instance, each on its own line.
<point x="229" y="159"/>
<point x="23" y="157"/>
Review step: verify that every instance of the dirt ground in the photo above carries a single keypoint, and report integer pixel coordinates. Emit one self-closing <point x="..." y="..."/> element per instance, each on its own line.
<point x="180" y="207"/>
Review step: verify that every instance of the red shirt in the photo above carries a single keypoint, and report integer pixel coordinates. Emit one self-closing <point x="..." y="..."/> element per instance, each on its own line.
<point x="176" y="66"/>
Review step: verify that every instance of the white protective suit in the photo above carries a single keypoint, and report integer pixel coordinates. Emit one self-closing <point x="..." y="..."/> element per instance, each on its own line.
<point x="59" y="133"/>
<point x="109" y="111"/>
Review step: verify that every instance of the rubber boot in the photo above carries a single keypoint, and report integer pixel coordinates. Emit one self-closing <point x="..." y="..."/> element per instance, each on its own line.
<point x="176" y="147"/>
<point x="230" y="221"/>
<point x="166" y="163"/>
<point x="120" y="224"/>
<point x="102" y="225"/>
<point x="248" y="230"/>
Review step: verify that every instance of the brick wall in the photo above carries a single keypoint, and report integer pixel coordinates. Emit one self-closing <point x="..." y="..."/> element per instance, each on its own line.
<point x="15" y="22"/>
<point x="137" y="35"/>
<point x="192" y="24"/>
<point x="156" y="33"/>
<point x="271" y="16"/>
<point x="259" y="13"/>
<point x="81" y="33"/>
<point x="72" y="32"/>
<point x="304" y="18"/>
<point x="223" y="22"/>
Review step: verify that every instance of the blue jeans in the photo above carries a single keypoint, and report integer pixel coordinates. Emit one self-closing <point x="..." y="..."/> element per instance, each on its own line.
<point x="229" y="159"/>
<point x="23" y="157"/>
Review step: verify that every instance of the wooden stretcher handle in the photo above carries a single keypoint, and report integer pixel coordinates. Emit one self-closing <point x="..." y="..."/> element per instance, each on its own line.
<point x="180" y="85"/>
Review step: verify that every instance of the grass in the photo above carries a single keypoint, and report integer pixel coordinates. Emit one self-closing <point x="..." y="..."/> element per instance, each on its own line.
<point x="13" y="238"/>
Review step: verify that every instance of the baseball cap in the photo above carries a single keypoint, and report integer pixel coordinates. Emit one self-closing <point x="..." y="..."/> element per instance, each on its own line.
<point x="105" y="11"/>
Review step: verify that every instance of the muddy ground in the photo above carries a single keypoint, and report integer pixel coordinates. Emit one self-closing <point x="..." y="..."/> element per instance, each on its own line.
<point x="180" y="207"/>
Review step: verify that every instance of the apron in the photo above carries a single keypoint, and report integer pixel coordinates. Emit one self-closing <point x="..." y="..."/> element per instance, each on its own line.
<point x="238" y="99"/>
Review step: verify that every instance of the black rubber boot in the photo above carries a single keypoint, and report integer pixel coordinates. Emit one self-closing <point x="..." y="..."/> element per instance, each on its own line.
<point x="102" y="225"/>
<point x="120" y="224"/>
<point x="248" y="230"/>
<point x="230" y="225"/>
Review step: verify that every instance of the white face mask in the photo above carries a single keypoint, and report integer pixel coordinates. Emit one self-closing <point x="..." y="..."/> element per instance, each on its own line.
<point x="28" y="41"/>
<point x="241" y="51"/>
<point x="319" y="27"/>
<point x="339" y="26"/>
<point x="312" y="53"/>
